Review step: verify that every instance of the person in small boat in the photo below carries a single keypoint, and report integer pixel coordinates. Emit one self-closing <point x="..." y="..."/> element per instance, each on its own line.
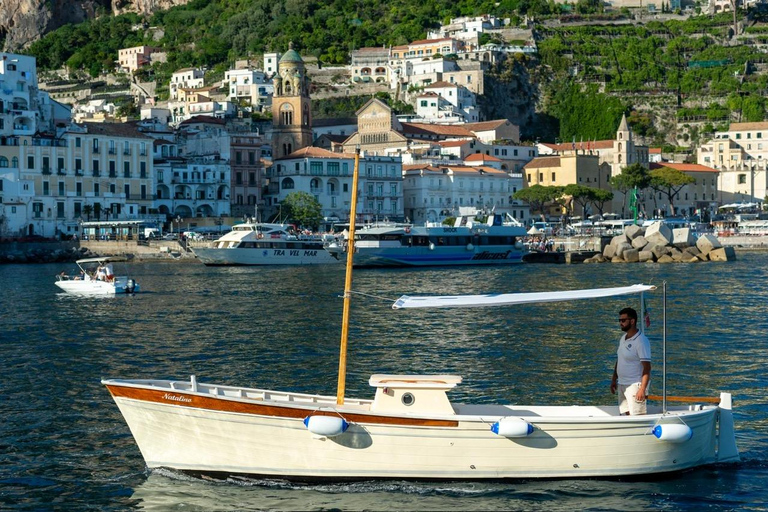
<point x="109" y="272"/>
<point x="101" y="275"/>
<point x="632" y="371"/>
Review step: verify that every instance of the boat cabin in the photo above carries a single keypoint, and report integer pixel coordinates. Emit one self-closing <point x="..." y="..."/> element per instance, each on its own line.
<point x="414" y="394"/>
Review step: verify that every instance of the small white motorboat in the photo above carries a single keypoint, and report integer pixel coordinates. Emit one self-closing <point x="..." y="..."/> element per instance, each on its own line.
<point x="96" y="277"/>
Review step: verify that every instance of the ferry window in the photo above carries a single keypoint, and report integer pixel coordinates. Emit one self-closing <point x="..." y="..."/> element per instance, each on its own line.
<point x="742" y="179"/>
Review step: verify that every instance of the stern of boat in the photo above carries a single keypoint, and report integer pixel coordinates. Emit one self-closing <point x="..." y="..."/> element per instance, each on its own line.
<point x="726" y="437"/>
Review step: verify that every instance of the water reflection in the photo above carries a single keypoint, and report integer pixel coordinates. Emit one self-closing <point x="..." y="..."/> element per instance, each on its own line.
<point x="63" y="437"/>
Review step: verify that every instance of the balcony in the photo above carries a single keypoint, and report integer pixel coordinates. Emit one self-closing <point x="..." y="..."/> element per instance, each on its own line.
<point x="112" y="151"/>
<point x="62" y="172"/>
<point x="47" y="170"/>
<point x="95" y="151"/>
<point x="126" y="152"/>
<point x="96" y="174"/>
<point x="112" y="174"/>
<point x="78" y="172"/>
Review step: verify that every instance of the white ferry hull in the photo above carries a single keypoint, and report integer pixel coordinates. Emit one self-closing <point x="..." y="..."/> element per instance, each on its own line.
<point x="204" y="432"/>
<point x="263" y="256"/>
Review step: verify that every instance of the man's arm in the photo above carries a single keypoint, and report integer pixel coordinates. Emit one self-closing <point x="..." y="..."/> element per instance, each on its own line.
<point x="644" y="380"/>
<point x="614" y="379"/>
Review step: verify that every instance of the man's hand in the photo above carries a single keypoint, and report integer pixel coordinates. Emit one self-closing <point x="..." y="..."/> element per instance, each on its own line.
<point x="613" y="386"/>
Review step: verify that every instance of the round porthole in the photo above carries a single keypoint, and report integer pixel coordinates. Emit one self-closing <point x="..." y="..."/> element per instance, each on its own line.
<point x="408" y="399"/>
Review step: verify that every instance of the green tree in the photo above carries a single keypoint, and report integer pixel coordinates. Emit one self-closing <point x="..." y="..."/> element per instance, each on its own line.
<point x="87" y="210"/>
<point x="303" y="209"/>
<point x="581" y="195"/>
<point x="601" y="197"/>
<point x="631" y="176"/>
<point x="669" y="182"/>
<point x="538" y="196"/>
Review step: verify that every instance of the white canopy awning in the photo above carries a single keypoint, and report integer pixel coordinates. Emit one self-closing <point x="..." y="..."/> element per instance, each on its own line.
<point x="508" y="299"/>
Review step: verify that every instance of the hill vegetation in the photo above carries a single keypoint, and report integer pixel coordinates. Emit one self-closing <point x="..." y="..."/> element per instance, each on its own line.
<point x="585" y="76"/>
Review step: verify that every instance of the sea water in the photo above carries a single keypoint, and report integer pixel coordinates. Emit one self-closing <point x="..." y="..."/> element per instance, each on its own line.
<point x="65" y="446"/>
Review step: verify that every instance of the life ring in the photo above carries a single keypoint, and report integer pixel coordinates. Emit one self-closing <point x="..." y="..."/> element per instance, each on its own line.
<point x="261" y="235"/>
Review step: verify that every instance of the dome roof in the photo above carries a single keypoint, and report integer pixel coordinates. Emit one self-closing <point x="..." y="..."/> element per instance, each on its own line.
<point x="290" y="56"/>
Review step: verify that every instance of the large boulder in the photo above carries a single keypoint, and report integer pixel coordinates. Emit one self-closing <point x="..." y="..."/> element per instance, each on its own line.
<point x="609" y="252"/>
<point x="639" y="242"/>
<point x="622" y="248"/>
<point x="658" y="233"/>
<point x="633" y="231"/>
<point x="706" y="243"/>
<point x="682" y="238"/>
<point x="631" y="255"/>
<point x="619" y="239"/>
<point x="722" y="254"/>
<point x="645" y="256"/>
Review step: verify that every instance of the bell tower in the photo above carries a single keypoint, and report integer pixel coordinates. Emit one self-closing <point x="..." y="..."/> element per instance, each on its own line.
<point x="623" y="146"/>
<point x="291" y="106"/>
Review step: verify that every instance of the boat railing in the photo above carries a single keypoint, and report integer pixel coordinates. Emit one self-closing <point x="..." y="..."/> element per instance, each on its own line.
<point x="255" y="394"/>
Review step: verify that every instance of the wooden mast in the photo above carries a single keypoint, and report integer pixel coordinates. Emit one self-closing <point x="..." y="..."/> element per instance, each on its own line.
<point x="348" y="284"/>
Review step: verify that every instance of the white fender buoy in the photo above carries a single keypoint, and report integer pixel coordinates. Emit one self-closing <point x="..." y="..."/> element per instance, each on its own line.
<point x="327" y="426"/>
<point x="512" y="427"/>
<point x="673" y="433"/>
<point x="431" y="246"/>
<point x="470" y="247"/>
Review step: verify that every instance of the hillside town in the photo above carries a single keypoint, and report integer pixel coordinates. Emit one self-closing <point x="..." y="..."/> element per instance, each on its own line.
<point x="202" y="159"/>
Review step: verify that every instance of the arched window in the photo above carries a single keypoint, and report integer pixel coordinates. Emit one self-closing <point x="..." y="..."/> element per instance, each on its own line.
<point x="3" y="161"/>
<point x="15" y="162"/>
<point x="619" y="146"/>
<point x="287" y="184"/>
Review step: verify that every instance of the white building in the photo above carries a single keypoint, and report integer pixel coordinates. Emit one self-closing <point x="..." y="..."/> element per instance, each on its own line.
<point x="19" y="113"/>
<point x="328" y="177"/>
<point x="370" y="65"/>
<point x="453" y="103"/>
<point x="189" y="78"/>
<point x="249" y="85"/>
<point x="466" y="28"/>
<point x="432" y="193"/>
<point x="741" y="156"/>
<point x="271" y="60"/>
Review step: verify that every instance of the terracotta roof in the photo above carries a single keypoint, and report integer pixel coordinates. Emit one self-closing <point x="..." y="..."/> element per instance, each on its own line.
<point x="426" y="167"/>
<point x="480" y="157"/>
<point x="740" y="127"/>
<point x="682" y="167"/>
<point x="469" y="169"/>
<point x="429" y="94"/>
<point x="430" y="41"/>
<point x="401" y="47"/>
<point x="441" y="84"/>
<point x="453" y="143"/>
<point x="114" y="130"/>
<point x="202" y="119"/>
<point x="544" y="161"/>
<point x="654" y="151"/>
<point x="369" y="49"/>
<point x="313" y="152"/>
<point x="486" y="125"/>
<point x="333" y="137"/>
<point x="436" y="129"/>
<point x="587" y="144"/>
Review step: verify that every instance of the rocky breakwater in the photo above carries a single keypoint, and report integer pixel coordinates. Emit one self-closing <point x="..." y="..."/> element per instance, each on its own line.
<point x="660" y="244"/>
<point x="42" y="253"/>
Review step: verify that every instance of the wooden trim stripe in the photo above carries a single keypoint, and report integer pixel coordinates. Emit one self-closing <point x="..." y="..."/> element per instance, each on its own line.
<point x="687" y="399"/>
<point x="183" y="399"/>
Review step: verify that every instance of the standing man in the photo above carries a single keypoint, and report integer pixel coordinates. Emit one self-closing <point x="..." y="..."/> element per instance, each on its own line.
<point x="632" y="371"/>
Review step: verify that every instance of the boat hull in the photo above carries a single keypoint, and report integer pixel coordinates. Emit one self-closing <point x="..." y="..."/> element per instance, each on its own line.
<point x="264" y="256"/>
<point x="120" y="285"/>
<point x="424" y="256"/>
<point x="210" y="434"/>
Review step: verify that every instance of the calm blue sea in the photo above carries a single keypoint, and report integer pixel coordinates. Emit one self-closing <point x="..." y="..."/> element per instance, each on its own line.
<point x="64" y="445"/>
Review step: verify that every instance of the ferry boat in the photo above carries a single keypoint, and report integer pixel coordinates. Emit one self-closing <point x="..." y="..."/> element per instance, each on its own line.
<point x="260" y="243"/>
<point x="467" y="242"/>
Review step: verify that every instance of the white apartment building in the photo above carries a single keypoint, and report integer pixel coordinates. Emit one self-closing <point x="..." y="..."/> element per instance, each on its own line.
<point x="433" y="193"/>
<point x="466" y="28"/>
<point x="741" y="156"/>
<point x="461" y="102"/>
<point x="249" y="85"/>
<point x="190" y="186"/>
<point x="189" y="78"/>
<point x="19" y="113"/>
<point x="271" y="60"/>
<point x="328" y="177"/>
<point x="370" y="65"/>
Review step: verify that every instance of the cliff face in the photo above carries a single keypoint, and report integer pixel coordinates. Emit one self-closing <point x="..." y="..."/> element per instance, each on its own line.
<point x="24" y="21"/>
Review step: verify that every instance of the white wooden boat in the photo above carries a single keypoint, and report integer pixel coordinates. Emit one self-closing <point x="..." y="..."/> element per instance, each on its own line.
<point x="91" y="281"/>
<point x="410" y="428"/>
<point x="261" y="243"/>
